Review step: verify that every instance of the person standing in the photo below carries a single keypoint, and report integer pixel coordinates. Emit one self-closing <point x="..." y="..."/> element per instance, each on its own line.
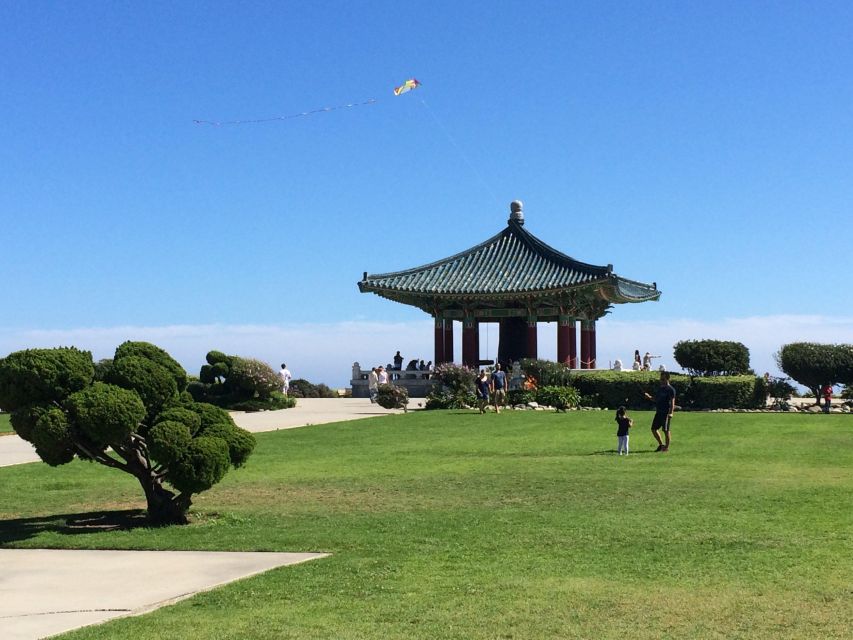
<point x="664" y="408"/>
<point x="638" y="363"/>
<point x="398" y="361"/>
<point x="498" y="387"/>
<point x="624" y="425"/>
<point x="483" y="388"/>
<point x="373" y="384"/>
<point x="382" y="375"/>
<point x="285" y="376"/>
<point x="826" y="392"/>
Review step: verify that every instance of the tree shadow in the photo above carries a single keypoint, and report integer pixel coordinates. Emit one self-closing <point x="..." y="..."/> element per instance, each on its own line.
<point x="72" y="524"/>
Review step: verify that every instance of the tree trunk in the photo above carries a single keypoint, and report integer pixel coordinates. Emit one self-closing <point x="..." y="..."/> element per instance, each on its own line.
<point x="164" y="507"/>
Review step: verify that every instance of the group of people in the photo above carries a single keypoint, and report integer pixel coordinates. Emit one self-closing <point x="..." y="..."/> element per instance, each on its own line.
<point x="378" y="375"/>
<point x="644" y="363"/>
<point x="414" y="364"/>
<point x="664" y="400"/>
<point x="492" y="387"/>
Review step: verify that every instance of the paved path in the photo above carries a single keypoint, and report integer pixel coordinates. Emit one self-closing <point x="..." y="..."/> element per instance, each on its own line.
<point x="44" y="592"/>
<point x="307" y="411"/>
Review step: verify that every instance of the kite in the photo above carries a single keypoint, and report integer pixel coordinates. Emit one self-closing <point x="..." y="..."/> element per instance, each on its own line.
<point x="408" y="85"/>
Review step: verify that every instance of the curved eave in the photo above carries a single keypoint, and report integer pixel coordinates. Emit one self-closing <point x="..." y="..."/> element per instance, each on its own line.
<point x="621" y="291"/>
<point x="613" y="289"/>
<point x="365" y="286"/>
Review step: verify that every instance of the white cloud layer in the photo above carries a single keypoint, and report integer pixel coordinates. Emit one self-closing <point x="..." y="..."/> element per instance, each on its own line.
<point x="325" y="352"/>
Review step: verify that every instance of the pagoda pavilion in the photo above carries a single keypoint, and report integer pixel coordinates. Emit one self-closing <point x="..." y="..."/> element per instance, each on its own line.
<point x="516" y="280"/>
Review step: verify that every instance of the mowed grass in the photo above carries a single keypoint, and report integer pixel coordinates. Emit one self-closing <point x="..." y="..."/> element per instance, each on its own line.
<point x="522" y="525"/>
<point x="5" y="425"/>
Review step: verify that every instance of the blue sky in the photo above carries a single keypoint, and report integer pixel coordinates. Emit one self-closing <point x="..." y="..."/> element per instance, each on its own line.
<point x="704" y="146"/>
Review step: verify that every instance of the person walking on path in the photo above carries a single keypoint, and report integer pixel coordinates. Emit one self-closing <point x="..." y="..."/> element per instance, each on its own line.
<point x="624" y="424"/>
<point x="498" y="387"/>
<point x="373" y="385"/>
<point x="483" y="388"/>
<point x="664" y="408"/>
<point x="285" y="376"/>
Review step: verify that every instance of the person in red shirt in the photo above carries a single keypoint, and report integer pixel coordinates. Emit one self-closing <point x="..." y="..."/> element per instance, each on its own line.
<point x="827" y="397"/>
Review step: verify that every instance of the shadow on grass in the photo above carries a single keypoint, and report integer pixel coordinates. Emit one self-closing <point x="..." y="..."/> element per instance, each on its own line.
<point x="612" y="452"/>
<point x="71" y="524"/>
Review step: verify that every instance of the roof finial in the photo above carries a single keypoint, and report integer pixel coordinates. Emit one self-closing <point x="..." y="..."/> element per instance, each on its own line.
<point x="516" y="212"/>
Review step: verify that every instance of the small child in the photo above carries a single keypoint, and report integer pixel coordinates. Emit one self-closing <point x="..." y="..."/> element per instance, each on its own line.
<point x="625" y="423"/>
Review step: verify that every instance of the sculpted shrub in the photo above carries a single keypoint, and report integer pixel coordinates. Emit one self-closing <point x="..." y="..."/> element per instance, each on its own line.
<point x="134" y="418"/>
<point x="712" y="357"/>
<point x="244" y="384"/>
<point x="814" y="365"/>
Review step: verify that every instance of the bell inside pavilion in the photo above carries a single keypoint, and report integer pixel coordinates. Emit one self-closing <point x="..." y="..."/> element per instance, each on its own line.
<point x="515" y="280"/>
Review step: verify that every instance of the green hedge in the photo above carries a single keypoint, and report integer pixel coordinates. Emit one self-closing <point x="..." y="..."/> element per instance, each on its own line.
<point x="723" y="392"/>
<point x="609" y="389"/>
<point x="561" y="398"/>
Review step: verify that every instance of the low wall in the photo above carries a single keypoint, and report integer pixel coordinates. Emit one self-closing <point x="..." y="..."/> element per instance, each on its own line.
<point x="417" y="383"/>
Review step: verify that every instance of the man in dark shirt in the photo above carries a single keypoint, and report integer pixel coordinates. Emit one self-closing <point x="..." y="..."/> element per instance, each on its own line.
<point x="664" y="408"/>
<point x="498" y="387"/>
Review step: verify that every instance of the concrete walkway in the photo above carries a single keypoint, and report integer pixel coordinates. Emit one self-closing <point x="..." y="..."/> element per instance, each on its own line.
<point x="44" y="592"/>
<point x="308" y="411"/>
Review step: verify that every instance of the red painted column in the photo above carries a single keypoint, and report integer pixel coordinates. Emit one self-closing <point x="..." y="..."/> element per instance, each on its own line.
<point x="573" y="344"/>
<point x="476" y="343"/>
<point x="448" y="340"/>
<point x="592" y="344"/>
<point x="469" y="342"/>
<point x="532" y="346"/>
<point x="566" y="351"/>
<point x="439" y="341"/>
<point x="585" y="355"/>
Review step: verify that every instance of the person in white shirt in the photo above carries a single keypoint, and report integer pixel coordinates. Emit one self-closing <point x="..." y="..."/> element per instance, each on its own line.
<point x="373" y="384"/>
<point x="285" y="376"/>
<point x="383" y="376"/>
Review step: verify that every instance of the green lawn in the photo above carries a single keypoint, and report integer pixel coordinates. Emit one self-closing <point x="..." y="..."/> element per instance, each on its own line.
<point x="522" y="525"/>
<point x="5" y="426"/>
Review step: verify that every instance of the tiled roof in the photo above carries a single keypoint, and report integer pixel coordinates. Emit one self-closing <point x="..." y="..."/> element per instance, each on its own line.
<point x="512" y="262"/>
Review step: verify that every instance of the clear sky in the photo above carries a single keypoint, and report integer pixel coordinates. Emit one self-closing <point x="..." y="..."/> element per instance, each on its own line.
<point x="706" y="146"/>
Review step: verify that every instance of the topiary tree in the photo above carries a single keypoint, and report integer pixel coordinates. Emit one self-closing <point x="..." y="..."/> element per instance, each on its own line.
<point x="239" y="383"/>
<point x="132" y="416"/>
<point x="712" y="357"/>
<point x="814" y="365"/>
<point x="301" y="388"/>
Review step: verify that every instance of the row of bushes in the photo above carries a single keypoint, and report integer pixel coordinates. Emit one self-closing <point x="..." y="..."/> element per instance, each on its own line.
<point x="613" y="388"/>
<point x="560" y="387"/>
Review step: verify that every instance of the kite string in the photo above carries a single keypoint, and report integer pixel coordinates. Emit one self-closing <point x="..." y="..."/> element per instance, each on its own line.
<point x="217" y="123"/>
<point x="461" y="152"/>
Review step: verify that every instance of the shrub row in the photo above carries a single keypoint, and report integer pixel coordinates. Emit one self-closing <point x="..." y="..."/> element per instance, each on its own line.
<point x="609" y="389"/>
